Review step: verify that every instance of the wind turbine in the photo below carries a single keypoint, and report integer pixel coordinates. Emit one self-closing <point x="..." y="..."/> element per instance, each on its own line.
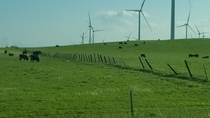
<point x="203" y="33"/>
<point x="199" y="33"/>
<point x="173" y="18"/>
<point x="90" y="28"/>
<point x="128" y="37"/>
<point x="83" y="37"/>
<point x="141" y="13"/>
<point x="94" y="33"/>
<point x="187" y="25"/>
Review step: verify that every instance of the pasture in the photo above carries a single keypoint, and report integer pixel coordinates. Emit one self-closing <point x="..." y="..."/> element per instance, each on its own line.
<point x="55" y="87"/>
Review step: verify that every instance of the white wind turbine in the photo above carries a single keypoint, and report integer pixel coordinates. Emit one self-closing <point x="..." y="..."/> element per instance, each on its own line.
<point x="83" y="37"/>
<point x="187" y="25"/>
<point x="141" y="12"/>
<point x="203" y="33"/>
<point x="173" y="18"/>
<point x="199" y="33"/>
<point x="128" y="37"/>
<point x="93" y="40"/>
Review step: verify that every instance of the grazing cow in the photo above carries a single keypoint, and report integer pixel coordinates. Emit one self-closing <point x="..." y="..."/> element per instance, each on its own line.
<point x="143" y="55"/>
<point x="57" y="46"/>
<point x="34" y="57"/>
<point x="144" y="42"/>
<point x="205" y="57"/>
<point x="125" y="43"/>
<point x="24" y="57"/>
<point x="36" y="52"/>
<point x="5" y="51"/>
<point x="120" y="42"/>
<point x="24" y="51"/>
<point x="104" y="43"/>
<point x="11" y="54"/>
<point x="193" y="55"/>
<point x="120" y="47"/>
<point x="136" y="45"/>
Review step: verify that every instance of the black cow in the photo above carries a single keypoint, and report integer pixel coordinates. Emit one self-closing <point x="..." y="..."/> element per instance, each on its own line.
<point x="136" y="45"/>
<point x="24" y="51"/>
<point x="205" y="57"/>
<point x="11" y="54"/>
<point x="5" y="51"/>
<point x="57" y="46"/>
<point x="143" y="55"/>
<point x="125" y="43"/>
<point x="36" y="52"/>
<point x="120" y="47"/>
<point x="193" y="55"/>
<point x="34" y="57"/>
<point x="120" y="42"/>
<point x="23" y="56"/>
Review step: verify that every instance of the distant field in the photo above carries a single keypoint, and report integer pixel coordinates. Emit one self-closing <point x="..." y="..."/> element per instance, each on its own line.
<point x="55" y="87"/>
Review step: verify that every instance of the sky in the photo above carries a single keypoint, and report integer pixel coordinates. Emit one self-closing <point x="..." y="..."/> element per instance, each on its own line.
<point x="40" y="23"/>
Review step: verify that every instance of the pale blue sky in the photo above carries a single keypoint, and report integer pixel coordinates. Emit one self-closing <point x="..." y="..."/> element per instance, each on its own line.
<point x="32" y="23"/>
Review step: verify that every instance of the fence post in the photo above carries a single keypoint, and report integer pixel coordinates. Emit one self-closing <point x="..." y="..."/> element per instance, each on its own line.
<point x="105" y="59"/>
<point x="109" y="60"/>
<point x="148" y="64"/>
<point x="141" y="62"/>
<point x="99" y="58"/>
<point x="188" y="68"/>
<point x="123" y="62"/>
<point x="172" y="69"/>
<point x="131" y="103"/>
<point x="205" y="73"/>
<point x="94" y="57"/>
<point x="113" y="60"/>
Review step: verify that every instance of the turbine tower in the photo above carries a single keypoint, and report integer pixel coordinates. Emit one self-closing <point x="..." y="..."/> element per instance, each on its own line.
<point x="187" y="25"/>
<point x="140" y="12"/>
<point x="172" y="19"/>
<point x="90" y="28"/>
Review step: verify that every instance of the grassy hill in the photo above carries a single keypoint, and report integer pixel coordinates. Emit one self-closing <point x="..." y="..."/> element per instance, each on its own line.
<point x="55" y="87"/>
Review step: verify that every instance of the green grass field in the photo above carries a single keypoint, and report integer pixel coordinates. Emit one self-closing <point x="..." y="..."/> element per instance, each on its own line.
<point x="55" y="87"/>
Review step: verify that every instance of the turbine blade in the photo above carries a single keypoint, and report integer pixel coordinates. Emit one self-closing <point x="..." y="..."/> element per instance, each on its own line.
<point x="191" y="29"/>
<point x="181" y="26"/>
<point x="189" y="2"/>
<point x="133" y="10"/>
<point x="197" y="29"/>
<point x="89" y="18"/>
<point x="188" y="17"/>
<point x="130" y="34"/>
<point x="146" y="20"/>
<point x="142" y="5"/>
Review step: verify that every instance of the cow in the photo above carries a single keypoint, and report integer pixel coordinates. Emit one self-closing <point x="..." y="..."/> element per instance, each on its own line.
<point x="34" y="57"/>
<point x="120" y="47"/>
<point x="36" y="52"/>
<point x="11" y="54"/>
<point x="120" y="42"/>
<point x="5" y="51"/>
<point x="125" y="43"/>
<point x="23" y="56"/>
<point x="104" y="43"/>
<point x="193" y="55"/>
<point x="57" y="46"/>
<point x="136" y="45"/>
<point x="205" y="57"/>
<point x="143" y="55"/>
<point x="24" y="51"/>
